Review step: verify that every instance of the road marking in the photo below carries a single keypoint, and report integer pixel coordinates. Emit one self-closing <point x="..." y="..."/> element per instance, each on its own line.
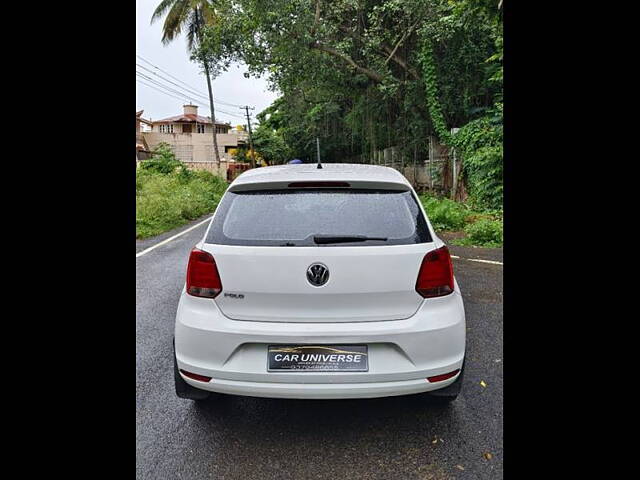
<point x="493" y="262"/>
<point x="147" y="250"/>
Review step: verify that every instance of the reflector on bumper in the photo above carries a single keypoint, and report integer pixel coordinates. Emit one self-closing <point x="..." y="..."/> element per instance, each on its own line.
<point x="195" y="376"/>
<point x="444" y="376"/>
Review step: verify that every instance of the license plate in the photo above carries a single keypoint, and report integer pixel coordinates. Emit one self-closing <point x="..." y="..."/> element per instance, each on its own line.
<point x="318" y="358"/>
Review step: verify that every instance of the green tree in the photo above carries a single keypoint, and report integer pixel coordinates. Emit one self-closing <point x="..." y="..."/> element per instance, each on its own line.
<point x="364" y="75"/>
<point x="270" y="146"/>
<point x="357" y="66"/>
<point x="191" y="15"/>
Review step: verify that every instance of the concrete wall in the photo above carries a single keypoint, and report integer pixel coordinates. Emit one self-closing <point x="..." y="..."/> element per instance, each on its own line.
<point x="194" y="147"/>
<point x="211" y="167"/>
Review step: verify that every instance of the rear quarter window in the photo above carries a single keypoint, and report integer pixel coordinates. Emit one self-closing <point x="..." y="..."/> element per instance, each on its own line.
<point x="292" y="217"/>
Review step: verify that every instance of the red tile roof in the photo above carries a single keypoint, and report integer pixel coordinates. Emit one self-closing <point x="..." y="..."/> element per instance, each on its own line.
<point x="188" y="118"/>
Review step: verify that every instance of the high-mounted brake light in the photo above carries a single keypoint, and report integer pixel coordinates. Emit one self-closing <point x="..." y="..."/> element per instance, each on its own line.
<point x="318" y="184"/>
<point x="203" y="279"/>
<point x="435" y="278"/>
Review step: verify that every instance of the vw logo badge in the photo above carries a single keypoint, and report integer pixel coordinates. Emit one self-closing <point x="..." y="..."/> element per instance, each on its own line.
<point x="317" y="274"/>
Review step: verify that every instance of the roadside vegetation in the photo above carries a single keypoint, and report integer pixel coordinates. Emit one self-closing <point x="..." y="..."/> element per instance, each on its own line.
<point x="169" y="195"/>
<point x="365" y="76"/>
<point x="480" y="228"/>
<point x="361" y="77"/>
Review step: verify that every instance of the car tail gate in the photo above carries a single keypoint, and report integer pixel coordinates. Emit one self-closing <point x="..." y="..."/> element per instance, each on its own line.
<point x="350" y="284"/>
<point x="321" y="255"/>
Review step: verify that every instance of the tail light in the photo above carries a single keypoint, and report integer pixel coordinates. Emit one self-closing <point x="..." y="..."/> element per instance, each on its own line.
<point x="203" y="279"/>
<point x="436" y="274"/>
<point x="318" y="184"/>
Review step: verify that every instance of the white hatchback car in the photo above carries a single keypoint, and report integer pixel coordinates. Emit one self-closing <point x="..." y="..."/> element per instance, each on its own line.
<point x="320" y="283"/>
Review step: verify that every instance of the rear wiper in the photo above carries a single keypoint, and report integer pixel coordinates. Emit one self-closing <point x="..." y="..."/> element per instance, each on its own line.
<point x="324" y="239"/>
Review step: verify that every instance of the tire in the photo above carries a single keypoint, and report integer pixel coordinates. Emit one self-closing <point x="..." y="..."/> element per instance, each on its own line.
<point x="186" y="391"/>
<point x="450" y="393"/>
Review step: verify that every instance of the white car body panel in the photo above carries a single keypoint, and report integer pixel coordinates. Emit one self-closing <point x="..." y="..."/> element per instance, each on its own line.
<point x="370" y="299"/>
<point x="275" y="289"/>
<point x="279" y="176"/>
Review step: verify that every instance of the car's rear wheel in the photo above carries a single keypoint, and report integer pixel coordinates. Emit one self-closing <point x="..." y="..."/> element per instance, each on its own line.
<point x="184" y="390"/>
<point x="450" y="393"/>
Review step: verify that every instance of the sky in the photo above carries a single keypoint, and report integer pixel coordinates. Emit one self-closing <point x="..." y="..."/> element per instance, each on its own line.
<point x="230" y="87"/>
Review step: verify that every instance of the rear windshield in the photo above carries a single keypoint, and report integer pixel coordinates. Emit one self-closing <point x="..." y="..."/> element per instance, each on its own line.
<point x="294" y="217"/>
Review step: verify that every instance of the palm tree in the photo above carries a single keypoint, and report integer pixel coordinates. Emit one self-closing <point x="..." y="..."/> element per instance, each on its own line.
<point x="192" y="15"/>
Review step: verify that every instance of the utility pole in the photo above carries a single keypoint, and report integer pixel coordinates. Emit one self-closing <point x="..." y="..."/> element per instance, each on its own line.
<point x="253" y="155"/>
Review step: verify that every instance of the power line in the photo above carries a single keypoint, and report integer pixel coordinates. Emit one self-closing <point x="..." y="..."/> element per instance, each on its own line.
<point x="151" y="86"/>
<point x="173" y="83"/>
<point x="182" y="97"/>
<point x="186" y="84"/>
<point x="167" y="73"/>
<point x="190" y="93"/>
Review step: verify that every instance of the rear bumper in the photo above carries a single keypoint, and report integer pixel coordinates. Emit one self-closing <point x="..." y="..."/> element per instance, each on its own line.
<point x="319" y="390"/>
<point x="402" y="353"/>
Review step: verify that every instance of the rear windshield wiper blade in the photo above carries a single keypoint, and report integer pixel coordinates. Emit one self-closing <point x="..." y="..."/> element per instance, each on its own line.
<point x="324" y="239"/>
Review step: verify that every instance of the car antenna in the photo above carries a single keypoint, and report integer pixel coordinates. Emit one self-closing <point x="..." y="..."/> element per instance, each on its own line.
<point x="318" y="151"/>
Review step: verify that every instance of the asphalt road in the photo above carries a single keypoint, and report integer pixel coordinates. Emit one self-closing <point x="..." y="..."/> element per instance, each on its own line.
<point x="253" y="438"/>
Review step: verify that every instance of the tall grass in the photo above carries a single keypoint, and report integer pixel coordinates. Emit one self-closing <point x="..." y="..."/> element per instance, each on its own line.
<point x="484" y="232"/>
<point x="445" y="214"/>
<point x="166" y="201"/>
<point x="481" y="228"/>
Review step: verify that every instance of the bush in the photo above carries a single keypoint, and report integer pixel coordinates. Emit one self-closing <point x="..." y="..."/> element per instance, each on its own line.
<point x="483" y="169"/>
<point x="485" y="232"/>
<point x="480" y="145"/>
<point x="166" y="201"/>
<point x="481" y="228"/>
<point x="445" y="214"/>
<point x="163" y="160"/>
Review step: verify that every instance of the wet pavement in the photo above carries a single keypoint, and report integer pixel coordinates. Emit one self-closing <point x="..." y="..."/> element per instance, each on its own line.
<point x="253" y="438"/>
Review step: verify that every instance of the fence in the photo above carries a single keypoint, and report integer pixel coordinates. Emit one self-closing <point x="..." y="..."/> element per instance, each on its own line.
<point x="209" y="166"/>
<point x="438" y="171"/>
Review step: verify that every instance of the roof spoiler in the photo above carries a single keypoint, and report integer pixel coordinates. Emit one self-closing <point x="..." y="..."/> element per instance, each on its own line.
<point x="287" y="185"/>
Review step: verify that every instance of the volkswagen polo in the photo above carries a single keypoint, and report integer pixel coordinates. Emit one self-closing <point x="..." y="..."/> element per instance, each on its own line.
<point x="319" y="283"/>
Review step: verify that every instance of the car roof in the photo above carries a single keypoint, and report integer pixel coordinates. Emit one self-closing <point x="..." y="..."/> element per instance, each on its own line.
<point x="354" y="173"/>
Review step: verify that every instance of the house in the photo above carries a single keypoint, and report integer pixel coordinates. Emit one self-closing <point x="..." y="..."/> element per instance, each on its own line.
<point x="142" y="149"/>
<point x="191" y="138"/>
